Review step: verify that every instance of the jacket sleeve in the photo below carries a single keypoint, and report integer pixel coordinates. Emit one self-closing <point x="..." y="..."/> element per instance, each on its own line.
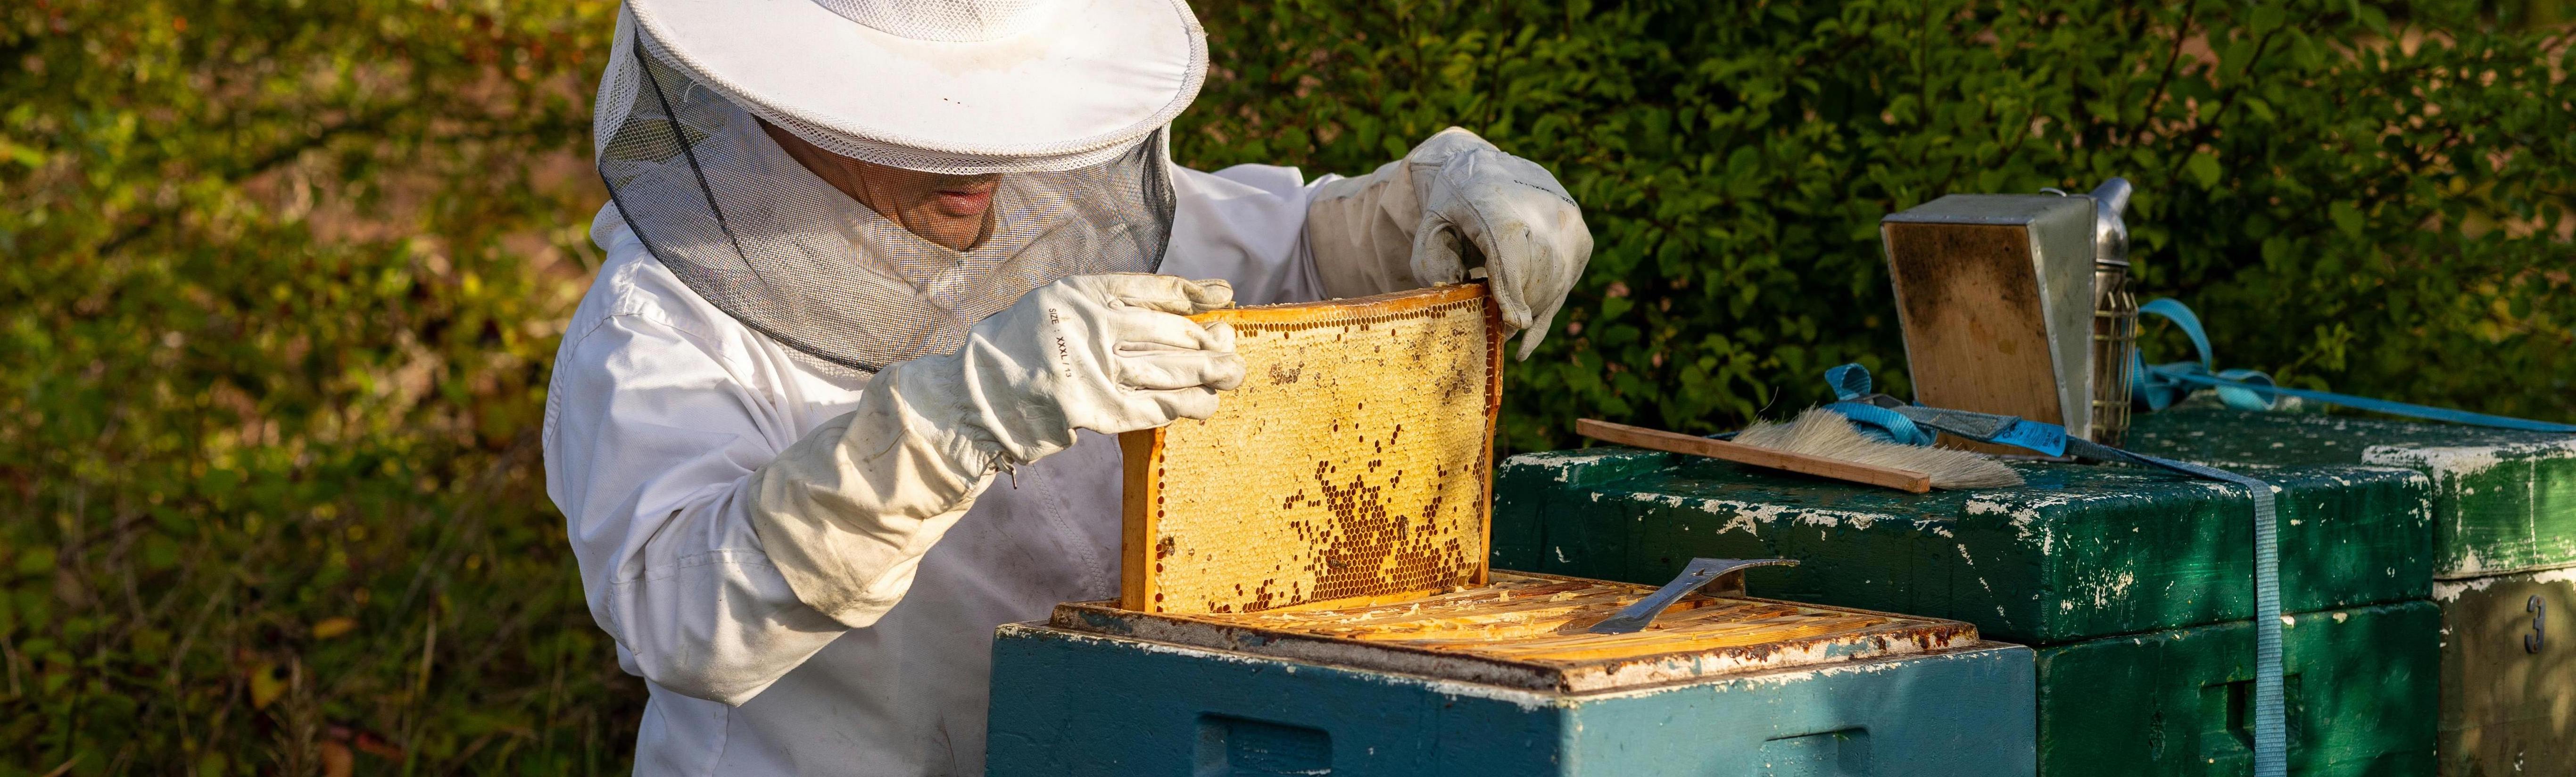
<point x="1245" y="224"/>
<point x="649" y="444"/>
<point x="656" y="450"/>
<point x="1360" y="231"/>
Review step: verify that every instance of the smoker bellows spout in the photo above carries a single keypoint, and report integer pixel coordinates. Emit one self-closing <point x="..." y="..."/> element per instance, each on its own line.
<point x="2110" y="234"/>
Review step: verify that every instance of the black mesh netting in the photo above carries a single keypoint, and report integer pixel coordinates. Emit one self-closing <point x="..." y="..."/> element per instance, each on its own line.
<point x="770" y="243"/>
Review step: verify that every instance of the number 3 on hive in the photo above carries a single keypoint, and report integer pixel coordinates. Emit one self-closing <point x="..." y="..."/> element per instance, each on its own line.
<point x="2539" y="617"/>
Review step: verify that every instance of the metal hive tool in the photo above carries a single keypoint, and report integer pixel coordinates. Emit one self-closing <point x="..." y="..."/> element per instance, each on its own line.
<point x="1352" y="466"/>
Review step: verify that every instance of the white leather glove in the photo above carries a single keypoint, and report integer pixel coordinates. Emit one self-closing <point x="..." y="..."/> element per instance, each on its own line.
<point x="847" y="512"/>
<point x="1108" y="353"/>
<point x="1412" y="222"/>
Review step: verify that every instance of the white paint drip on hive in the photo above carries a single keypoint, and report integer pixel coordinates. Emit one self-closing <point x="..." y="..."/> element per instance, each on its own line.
<point x="2107" y="588"/>
<point x="1653" y="497"/>
<point x="2452" y="590"/>
<point x="1567" y="463"/>
<point x="2470" y="563"/>
<point x="1748" y="517"/>
<point x="2465" y="461"/>
<point x="2025" y="518"/>
<point x="1829" y="518"/>
<point x="1739" y="516"/>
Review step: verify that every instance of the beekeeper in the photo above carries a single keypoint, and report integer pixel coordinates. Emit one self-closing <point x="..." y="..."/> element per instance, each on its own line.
<point x="883" y="276"/>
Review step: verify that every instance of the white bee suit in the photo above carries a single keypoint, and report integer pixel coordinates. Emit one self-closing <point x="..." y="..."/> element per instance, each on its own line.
<point x="809" y="459"/>
<point x="661" y="410"/>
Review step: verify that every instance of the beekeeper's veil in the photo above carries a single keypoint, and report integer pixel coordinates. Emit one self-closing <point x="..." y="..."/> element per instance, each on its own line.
<point x="1069" y="100"/>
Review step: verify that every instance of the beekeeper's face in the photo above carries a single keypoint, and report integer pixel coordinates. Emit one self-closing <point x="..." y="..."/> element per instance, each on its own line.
<point x="950" y="210"/>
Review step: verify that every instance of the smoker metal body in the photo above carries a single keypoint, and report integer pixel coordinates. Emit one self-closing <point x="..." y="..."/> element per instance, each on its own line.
<point x="2115" y="314"/>
<point x="1995" y="293"/>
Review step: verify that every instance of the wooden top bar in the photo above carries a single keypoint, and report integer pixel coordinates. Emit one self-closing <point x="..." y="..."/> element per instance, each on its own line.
<point x="1528" y="631"/>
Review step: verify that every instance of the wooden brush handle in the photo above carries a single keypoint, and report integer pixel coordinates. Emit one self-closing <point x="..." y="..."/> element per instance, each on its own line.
<point x="1819" y="466"/>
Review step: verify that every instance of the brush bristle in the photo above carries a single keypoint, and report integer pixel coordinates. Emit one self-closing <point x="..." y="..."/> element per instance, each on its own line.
<point x="1821" y="432"/>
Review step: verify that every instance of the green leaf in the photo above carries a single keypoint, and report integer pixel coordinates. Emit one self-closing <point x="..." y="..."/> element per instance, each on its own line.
<point x="2203" y="167"/>
<point x="36" y="560"/>
<point x="2256" y="105"/>
<point x="2266" y="18"/>
<point x="2346" y="217"/>
<point x="1612" y="307"/>
<point x="23" y="155"/>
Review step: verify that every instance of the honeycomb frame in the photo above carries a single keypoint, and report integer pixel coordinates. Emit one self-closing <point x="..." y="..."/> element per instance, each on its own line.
<point x="1336" y="540"/>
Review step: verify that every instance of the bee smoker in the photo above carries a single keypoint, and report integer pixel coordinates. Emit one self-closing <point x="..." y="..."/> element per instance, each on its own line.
<point x="2018" y="304"/>
<point x="2115" y="314"/>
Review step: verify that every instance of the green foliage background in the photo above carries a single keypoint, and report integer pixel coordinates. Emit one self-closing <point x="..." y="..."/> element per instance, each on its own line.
<point x="282" y="280"/>
<point x="2384" y="219"/>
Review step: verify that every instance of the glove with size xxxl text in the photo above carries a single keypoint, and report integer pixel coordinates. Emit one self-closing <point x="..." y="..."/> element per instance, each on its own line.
<point x="847" y="513"/>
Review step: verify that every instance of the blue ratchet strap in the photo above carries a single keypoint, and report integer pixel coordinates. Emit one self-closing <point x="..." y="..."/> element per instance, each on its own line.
<point x="1851" y="384"/>
<point x="2162" y="385"/>
<point x="2271" y="734"/>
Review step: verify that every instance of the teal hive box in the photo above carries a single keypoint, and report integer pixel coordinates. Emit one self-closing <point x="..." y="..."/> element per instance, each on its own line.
<point x="2134" y="585"/>
<point x="1073" y="697"/>
<point x="2503" y="501"/>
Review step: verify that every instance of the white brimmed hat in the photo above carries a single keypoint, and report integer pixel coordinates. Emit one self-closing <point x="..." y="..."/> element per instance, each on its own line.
<point x="942" y="85"/>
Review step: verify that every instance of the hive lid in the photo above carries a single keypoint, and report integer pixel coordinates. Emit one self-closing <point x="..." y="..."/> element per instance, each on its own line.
<point x="1354" y="464"/>
<point x="1527" y="631"/>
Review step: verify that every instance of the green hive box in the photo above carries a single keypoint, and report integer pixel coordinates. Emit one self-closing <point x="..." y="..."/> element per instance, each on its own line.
<point x="2504" y="522"/>
<point x="2080" y="552"/>
<point x="2503" y="501"/>
<point x="2135" y="585"/>
<point x="2357" y="683"/>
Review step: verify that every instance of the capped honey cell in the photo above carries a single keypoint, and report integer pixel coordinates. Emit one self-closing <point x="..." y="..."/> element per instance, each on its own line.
<point x="1293" y="494"/>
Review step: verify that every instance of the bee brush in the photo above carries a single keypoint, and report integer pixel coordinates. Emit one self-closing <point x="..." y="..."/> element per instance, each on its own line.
<point x="1822" y="443"/>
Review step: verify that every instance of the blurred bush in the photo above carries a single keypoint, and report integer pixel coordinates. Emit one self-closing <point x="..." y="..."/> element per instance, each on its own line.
<point x="2368" y="197"/>
<point x="282" y="280"/>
